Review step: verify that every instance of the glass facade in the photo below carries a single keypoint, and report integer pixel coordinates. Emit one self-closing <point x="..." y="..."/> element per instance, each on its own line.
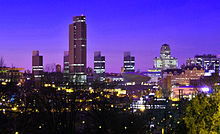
<point x="165" y="61"/>
<point x="129" y="62"/>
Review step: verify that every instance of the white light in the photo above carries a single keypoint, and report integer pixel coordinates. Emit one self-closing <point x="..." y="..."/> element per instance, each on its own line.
<point x="152" y="94"/>
<point x="205" y="89"/>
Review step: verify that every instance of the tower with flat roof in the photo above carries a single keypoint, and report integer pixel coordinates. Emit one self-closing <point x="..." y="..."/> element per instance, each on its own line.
<point x="77" y="49"/>
<point x="129" y="62"/>
<point x="99" y="66"/>
<point x="37" y="66"/>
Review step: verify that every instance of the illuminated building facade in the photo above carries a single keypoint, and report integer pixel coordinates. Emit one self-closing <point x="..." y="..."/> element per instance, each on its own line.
<point x="114" y="77"/>
<point x="154" y="74"/>
<point x="188" y="91"/>
<point x="165" y="61"/>
<point x="180" y="77"/>
<point x="129" y="62"/>
<point x="183" y="77"/>
<point x="210" y="63"/>
<point x="182" y="92"/>
<point x="77" y="49"/>
<point x="99" y="66"/>
<point x="37" y="66"/>
<point x="10" y="74"/>
<point x="66" y="64"/>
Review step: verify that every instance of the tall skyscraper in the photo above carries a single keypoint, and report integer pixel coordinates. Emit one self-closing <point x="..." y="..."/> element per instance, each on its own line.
<point x="129" y="62"/>
<point x="66" y="65"/>
<point x="99" y="66"/>
<point x="77" y="49"/>
<point x="37" y="66"/>
<point x="165" y="61"/>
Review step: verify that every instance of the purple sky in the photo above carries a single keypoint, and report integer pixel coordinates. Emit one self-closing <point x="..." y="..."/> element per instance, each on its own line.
<point x="141" y="26"/>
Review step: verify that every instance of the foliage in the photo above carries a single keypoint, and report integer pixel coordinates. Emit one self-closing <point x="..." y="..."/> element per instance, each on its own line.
<point x="203" y="114"/>
<point x="47" y="110"/>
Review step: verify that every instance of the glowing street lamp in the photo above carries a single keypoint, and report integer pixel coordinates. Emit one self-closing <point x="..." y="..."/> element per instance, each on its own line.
<point x="14" y="108"/>
<point x="142" y="108"/>
<point x="4" y="83"/>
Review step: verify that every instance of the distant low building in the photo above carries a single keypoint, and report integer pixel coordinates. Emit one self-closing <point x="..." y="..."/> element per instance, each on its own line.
<point x="132" y="78"/>
<point x="113" y="77"/>
<point x="53" y="77"/>
<point x="183" y="77"/>
<point x="154" y="74"/>
<point x="8" y="74"/>
<point x="89" y="71"/>
<point x="179" y="77"/>
<point x="187" y="91"/>
<point x="58" y="68"/>
<point x="210" y="63"/>
<point x="27" y="75"/>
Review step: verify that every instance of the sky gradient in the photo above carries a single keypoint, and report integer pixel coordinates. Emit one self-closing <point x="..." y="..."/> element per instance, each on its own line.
<point x="190" y="27"/>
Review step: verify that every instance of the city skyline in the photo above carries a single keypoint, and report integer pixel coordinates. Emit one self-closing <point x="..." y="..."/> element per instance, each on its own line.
<point x="109" y="67"/>
<point x="195" y="32"/>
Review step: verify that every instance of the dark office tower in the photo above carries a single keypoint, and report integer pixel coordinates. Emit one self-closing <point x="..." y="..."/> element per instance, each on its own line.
<point x="66" y="65"/>
<point x="37" y="66"/>
<point x="77" y="49"/>
<point x="129" y="62"/>
<point x="99" y="66"/>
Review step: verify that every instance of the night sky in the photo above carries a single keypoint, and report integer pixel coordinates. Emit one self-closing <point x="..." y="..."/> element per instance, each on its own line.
<point x="113" y="26"/>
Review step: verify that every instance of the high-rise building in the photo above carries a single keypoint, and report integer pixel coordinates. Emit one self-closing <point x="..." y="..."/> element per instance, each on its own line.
<point x="99" y="66"/>
<point x="210" y="63"/>
<point x="165" y="61"/>
<point x="77" y="49"/>
<point x="129" y="62"/>
<point x="37" y="66"/>
<point x="66" y="64"/>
